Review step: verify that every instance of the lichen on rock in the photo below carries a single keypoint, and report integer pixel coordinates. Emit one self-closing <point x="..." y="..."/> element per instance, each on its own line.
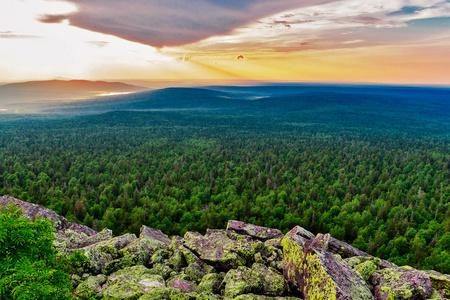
<point x="131" y="283"/>
<point x="400" y="283"/>
<point x="318" y="274"/>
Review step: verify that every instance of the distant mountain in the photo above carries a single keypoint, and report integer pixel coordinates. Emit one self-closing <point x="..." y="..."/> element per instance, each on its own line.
<point x="44" y="91"/>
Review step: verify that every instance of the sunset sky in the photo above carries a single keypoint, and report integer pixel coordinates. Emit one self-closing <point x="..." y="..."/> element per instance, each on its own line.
<point x="373" y="41"/>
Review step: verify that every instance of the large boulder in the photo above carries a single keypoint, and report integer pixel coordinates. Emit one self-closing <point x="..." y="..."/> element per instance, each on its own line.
<point x="440" y="282"/>
<point x="317" y="274"/>
<point x="93" y="284"/>
<point x="161" y="293"/>
<point x="259" y="279"/>
<point x="258" y="232"/>
<point x="114" y="245"/>
<point x="31" y="211"/>
<point x="163" y="270"/>
<point x="155" y="234"/>
<point x="211" y="283"/>
<point x="330" y="244"/>
<point x="182" y="282"/>
<point x="96" y="260"/>
<point x="131" y="283"/>
<point x="220" y="251"/>
<point x="400" y="283"/>
<point x="300" y="234"/>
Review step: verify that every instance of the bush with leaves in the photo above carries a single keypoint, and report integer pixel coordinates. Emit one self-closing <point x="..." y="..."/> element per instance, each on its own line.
<point x="30" y="268"/>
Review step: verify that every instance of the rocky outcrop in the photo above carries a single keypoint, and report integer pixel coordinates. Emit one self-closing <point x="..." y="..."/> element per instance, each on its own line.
<point x="242" y="262"/>
<point x="60" y="223"/>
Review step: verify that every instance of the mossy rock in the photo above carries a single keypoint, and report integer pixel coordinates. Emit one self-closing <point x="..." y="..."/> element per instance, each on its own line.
<point x="159" y="256"/>
<point x="249" y="297"/>
<point x="366" y="269"/>
<point x="125" y="262"/>
<point x="276" y="243"/>
<point x="435" y="295"/>
<point x="96" y="259"/>
<point x="401" y="283"/>
<point x="259" y="232"/>
<point x="93" y="284"/>
<point x="182" y="282"/>
<point x="161" y="293"/>
<point x="317" y="274"/>
<point x="352" y="262"/>
<point x="140" y="245"/>
<point x="207" y="296"/>
<point x="184" y="296"/>
<point x="260" y="279"/>
<point x="163" y="270"/>
<point x="219" y="250"/>
<point x="131" y="283"/>
<point x="439" y="281"/>
<point x="194" y="272"/>
<point x="177" y="260"/>
<point x="211" y="283"/>
<point x="114" y="245"/>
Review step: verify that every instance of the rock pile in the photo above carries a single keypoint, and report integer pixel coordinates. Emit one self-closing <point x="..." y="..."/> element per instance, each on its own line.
<point x="243" y="261"/>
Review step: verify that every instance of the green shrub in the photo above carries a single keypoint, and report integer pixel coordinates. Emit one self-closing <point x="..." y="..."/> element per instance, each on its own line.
<point x="29" y="266"/>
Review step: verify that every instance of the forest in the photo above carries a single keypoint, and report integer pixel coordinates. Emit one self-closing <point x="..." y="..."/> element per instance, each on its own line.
<point x="378" y="180"/>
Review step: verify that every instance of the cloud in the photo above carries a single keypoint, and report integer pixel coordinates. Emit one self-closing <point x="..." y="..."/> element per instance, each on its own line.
<point x="48" y="18"/>
<point x="171" y="22"/>
<point x="98" y="44"/>
<point x="12" y="35"/>
<point x="331" y="25"/>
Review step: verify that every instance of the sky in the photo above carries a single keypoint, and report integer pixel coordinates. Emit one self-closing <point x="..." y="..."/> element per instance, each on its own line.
<point x="351" y="41"/>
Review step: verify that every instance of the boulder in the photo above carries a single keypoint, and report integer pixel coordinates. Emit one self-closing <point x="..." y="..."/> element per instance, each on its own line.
<point x="317" y="274"/>
<point x="440" y="282"/>
<point x="93" y="284"/>
<point x="181" y="282"/>
<point x="220" y="251"/>
<point x="129" y="260"/>
<point x="300" y="234"/>
<point x="114" y="245"/>
<point x="155" y="234"/>
<point x="131" y="283"/>
<point x="400" y="283"/>
<point x="31" y="211"/>
<point x="330" y="244"/>
<point x="163" y="270"/>
<point x="159" y="256"/>
<point x="258" y="232"/>
<point x="160" y="293"/>
<point x="276" y="243"/>
<point x="366" y="269"/>
<point x="435" y="295"/>
<point x="194" y="272"/>
<point x="259" y="279"/>
<point x="207" y="296"/>
<point x="96" y="260"/>
<point x="211" y="283"/>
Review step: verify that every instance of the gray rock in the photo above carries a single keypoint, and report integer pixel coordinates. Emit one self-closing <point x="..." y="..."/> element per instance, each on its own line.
<point x="259" y="232"/>
<point x="400" y="283"/>
<point x="31" y="210"/>
<point x="155" y="234"/>
<point x="317" y="274"/>
<point x="328" y="243"/>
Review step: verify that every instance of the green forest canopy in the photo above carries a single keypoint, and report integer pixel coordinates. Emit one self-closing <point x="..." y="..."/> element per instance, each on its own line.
<point x="385" y="190"/>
